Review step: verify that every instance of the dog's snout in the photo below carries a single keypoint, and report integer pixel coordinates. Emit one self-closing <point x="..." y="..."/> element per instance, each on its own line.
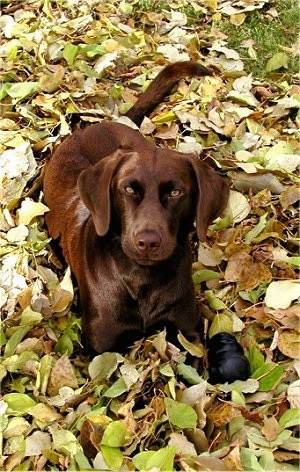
<point x="147" y="241"/>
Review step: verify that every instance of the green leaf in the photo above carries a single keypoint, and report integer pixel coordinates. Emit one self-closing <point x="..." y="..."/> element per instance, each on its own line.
<point x="164" y="117"/>
<point x="4" y="90"/>
<point x="166" y="370"/>
<point x="249" y="460"/>
<point x="254" y="232"/>
<point x="183" y="416"/>
<point x="238" y="398"/>
<point x="195" y="349"/>
<point x="104" y="365"/>
<point x="162" y="460"/>
<point x="290" y="418"/>
<point x="115" y="435"/>
<point x="255" y="358"/>
<point x="279" y="60"/>
<point x="18" y="403"/>
<point x="254" y="295"/>
<point x="30" y="317"/>
<point x="82" y="461"/>
<point x="267" y="461"/>
<point x="69" y="53"/>
<point x="268" y="376"/>
<point x="189" y="373"/>
<point x="220" y="324"/>
<point x="64" y="441"/>
<point x="15" y="340"/>
<point x="214" y="302"/>
<point x="43" y="373"/>
<point x="22" y="90"/>
<point x="116" y="389"/>
<point x="205" y="274"/>
<point x="91" y="50"/>
<point x="64" y="345"/>
<point x="294" y="260"/>
<point x="112" y="456"/>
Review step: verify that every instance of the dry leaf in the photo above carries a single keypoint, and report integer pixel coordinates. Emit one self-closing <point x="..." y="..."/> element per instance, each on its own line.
<point x="62" y="375"/>
<point x="289" y="344"/>
<point x="271" y="428"/>
<point x="281" y="293"/>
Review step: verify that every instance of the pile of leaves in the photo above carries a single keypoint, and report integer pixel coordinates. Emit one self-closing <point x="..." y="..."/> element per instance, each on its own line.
<point x="67" y="64"/>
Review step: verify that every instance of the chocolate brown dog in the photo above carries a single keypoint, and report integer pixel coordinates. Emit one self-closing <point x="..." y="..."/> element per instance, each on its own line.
<point x="123" y="210"/>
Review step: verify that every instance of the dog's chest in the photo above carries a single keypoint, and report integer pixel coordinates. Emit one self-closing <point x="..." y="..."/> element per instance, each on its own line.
<point x="152" y="298"/>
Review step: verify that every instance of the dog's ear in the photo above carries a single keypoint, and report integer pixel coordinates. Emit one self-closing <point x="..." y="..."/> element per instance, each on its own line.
<point x="94" y="189"/>
<point x="213" y="194"/>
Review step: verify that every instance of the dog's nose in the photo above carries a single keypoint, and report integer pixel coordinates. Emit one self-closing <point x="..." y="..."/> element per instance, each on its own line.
<point x="146" y="241"/>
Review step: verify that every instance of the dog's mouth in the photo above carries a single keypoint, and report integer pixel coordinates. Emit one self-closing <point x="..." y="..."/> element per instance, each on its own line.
<point x="148" y="262"/>
<point x="147" y="259"/>
<point x="148" y="248"/>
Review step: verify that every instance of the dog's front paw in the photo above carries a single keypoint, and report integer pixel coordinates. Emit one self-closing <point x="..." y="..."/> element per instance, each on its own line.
<point x="226" y="360"/>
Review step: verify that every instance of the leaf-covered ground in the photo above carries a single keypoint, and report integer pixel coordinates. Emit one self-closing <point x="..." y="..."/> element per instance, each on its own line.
<point x="67" y="64"/>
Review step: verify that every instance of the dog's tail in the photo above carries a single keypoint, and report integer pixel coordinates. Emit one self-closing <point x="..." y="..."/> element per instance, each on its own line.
<point x="161" y="86"/>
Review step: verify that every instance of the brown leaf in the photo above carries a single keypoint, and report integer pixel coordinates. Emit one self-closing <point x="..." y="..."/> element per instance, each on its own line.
<point x="257" y="182"/>
<point x="49" y="82"/>
<point x="290" y="196"/>
<point x="253" y="275"/>
<point x="233" y="460"/>
<point x="289" y="344"/>
<point x="157" y="403"/>
<point x="282" y="456"/>
<point x="235" y="266"/>
<point x="289" y="317"/>
<point x="198" y="438"/>
<point x="271" y="428"/>
<point x="245" y="272"/>
<point x="90" y="437"/>
<point x="221" y="414"/>
<point x="62" y="375"/>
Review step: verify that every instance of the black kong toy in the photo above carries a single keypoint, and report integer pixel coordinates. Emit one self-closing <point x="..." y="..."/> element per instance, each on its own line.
<point x="226" y="359"/>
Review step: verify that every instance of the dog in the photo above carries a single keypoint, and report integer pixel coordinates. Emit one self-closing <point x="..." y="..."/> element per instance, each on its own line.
<point x="122" y="210"/>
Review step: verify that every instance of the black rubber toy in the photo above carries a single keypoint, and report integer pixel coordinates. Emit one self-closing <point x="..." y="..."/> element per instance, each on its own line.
<point x="226" y="360"/>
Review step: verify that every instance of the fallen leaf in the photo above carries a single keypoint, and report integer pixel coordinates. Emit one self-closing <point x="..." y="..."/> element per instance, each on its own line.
<point x="281" y="293"/>
<point x="271" y="428"/>
<point x="293" y="394"/>
<point x="181" y="415"/>
<point x="220" y="324"/>
<point x="238" y="207"/>
<point x="30" y="209"/>
<point x="232" y="461"/>
<point x="279" y="60"/>
<point x="182" y="444"/>
<point x="36" y="443"/>
<point x="257" y="182"/>
<point x="289" y="343"/>
<point x="61" y="375"/>
<point x="221" y="414"/>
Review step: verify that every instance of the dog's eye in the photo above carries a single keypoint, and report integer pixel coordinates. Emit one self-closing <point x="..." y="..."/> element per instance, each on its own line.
<point x="129" y="190"/>
<point x="175" y="193"/>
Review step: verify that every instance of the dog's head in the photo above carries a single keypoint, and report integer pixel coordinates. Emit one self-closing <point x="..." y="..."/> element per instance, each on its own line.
<point x="151" y="200"/>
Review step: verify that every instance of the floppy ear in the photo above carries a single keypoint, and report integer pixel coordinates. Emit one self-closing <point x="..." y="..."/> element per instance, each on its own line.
<point x="94" y="189"/>
<point x="213" y="194"/>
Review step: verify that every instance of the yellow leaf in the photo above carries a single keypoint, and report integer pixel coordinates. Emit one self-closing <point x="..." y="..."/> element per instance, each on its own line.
<point x="29" y="210"/>
<point x="238" y="19"/>
<point x="220" y="324"/>
<point x="289" y="344"/>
